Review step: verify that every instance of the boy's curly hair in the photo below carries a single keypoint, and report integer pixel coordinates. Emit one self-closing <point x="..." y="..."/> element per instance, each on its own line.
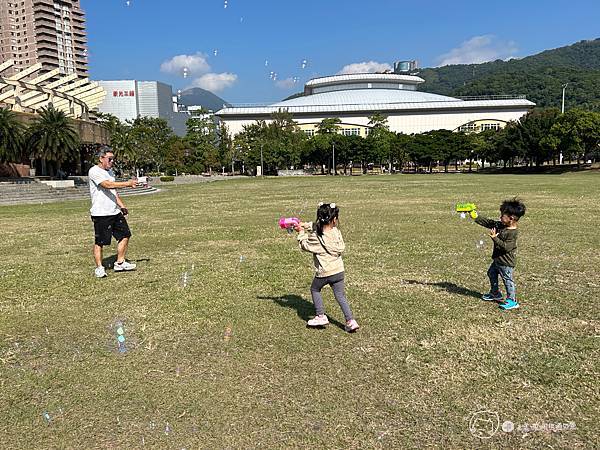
<point x="513" y="207"/>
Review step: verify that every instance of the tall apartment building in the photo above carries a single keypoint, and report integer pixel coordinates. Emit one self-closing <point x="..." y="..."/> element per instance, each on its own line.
<point x="51" y="32"/>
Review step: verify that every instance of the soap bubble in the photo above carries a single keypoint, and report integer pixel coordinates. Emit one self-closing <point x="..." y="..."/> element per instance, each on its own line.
<point x="225" y="4"/>
<point x="480" y="244"/>
<point x="215" y="52"/>
<point x="185" y="279"/>
<point x="128" y="3"/>
<point x="266" y="62"/>
<point x="304" y="63"/>
<point x="242" y="258"/>
<point x="463" y="215"/>
<point x="185" y="72"/>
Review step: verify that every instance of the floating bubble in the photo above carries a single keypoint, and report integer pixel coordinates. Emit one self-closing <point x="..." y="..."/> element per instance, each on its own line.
<point x="295" y="80"/>
<point x="185" y="72"/>
<point x="227" y="334"/>
<point x="241" y="19"/>
<point x="463" y="215"/>
<point x="480" y="244"/>
<point x="185" y="279"/>
<point x="304" y="63"/>
<point x="167" y="429"/>
<point x="46" y="417"/>
<point x="225" y="4"/>
<point x="120" y="330"/>
<point x="128" y="3"/>
<point x="215" y="52"/>
<point x="266" y="62"/>
<point x="242" y="258"/>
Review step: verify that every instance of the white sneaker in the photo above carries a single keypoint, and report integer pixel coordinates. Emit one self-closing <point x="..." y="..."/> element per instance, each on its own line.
<point x="351" y="326"/>
<point x="318" y="321"/>
<point x="123" y="266"/>
<point x="100" y="272"/>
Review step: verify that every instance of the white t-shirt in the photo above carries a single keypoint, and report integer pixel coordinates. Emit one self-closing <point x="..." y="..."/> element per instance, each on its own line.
<point x="104" y="201"/>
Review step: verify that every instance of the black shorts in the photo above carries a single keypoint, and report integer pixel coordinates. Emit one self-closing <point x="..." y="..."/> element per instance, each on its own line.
<point x="105" y="227"/>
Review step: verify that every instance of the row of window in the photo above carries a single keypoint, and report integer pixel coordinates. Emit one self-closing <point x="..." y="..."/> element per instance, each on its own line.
<point x="344" y="131"/>
<point x="470" y="127"/>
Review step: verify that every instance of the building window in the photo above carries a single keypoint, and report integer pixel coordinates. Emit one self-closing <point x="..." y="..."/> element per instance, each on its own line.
<point x="309" y="133"/>
<point x="468" y="128"/>
<point x="351" y="131"/>
<point x="490" y="126"/>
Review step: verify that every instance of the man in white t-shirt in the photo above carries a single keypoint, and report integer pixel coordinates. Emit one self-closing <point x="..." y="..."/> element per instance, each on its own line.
<point x="108" y="211"/>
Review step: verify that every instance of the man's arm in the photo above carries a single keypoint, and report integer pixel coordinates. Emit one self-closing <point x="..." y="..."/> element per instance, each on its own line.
<point x="106" y="184"/>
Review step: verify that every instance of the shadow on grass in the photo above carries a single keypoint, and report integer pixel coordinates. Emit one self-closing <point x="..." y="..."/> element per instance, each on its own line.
<point x="452" y="288"/>
<point x="304" y="308"/>
<point x="109" y="261"/>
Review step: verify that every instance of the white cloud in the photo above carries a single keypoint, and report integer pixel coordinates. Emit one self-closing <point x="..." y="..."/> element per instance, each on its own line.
<point x="477" y="50"/>
<point x="288" y="83"/>
<point x="215" y="82"/>
<point x="195" y="64"/>
<point x="364" y="67"/>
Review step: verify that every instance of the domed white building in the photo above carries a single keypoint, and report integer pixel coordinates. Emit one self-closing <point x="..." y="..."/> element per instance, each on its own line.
<point x="353" y="98"/>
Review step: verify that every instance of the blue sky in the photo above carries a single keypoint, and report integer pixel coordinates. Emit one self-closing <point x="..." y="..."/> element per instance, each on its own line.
<point x="249" y="51"/>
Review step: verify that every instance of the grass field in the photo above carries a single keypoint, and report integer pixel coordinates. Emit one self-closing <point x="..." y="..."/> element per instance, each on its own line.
<point x="227" y="361"/>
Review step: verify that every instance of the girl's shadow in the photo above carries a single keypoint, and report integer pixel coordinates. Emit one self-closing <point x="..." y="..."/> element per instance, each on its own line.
<point x="304" y="308"/>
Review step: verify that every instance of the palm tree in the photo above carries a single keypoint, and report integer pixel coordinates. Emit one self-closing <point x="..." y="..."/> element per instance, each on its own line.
<point x="11" y="136"/>
<point x="53" y="138"/>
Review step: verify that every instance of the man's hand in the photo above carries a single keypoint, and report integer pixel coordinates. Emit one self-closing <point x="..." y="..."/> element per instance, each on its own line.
<point x="124" y="211"/>
<point x="133" y="182"/>
<point x="493" y="233"/>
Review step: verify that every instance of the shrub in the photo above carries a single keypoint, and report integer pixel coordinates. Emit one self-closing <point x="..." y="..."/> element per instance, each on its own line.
<point x="167" y="179"/>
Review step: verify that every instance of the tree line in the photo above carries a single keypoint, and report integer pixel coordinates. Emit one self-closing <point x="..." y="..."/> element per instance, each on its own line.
<point x="148" y="144"/>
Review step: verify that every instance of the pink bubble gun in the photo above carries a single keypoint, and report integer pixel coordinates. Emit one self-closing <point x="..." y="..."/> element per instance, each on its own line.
<point x="288" y="223"/>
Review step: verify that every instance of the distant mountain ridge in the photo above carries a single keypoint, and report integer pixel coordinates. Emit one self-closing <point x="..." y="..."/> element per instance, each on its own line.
<point x="540" y="77"/>
<point x="201" y="97"/>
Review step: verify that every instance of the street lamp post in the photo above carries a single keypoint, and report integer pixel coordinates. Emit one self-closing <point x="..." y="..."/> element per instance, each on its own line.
<point x="262" y="171"/>
<point x="564" y="87"/>
<point x="333" y="158"/>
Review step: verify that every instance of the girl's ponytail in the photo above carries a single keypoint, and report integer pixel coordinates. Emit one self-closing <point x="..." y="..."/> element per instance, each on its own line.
<point x="326" y="213"/>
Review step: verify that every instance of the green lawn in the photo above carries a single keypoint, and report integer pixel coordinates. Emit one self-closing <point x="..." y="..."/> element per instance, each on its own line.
<point x="429" y="353"/>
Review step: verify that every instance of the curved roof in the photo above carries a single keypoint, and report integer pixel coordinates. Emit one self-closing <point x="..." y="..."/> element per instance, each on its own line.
<point x="364" y="96"/>
<point x="376" y="77"/>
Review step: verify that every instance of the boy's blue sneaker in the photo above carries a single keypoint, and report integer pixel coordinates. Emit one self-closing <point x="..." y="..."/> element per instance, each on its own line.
<point x="509" y="304"/>
<point x="492" y="297"/>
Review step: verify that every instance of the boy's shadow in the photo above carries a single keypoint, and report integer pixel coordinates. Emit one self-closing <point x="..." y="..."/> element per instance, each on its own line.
<point x="109" y="261"/>
<point x="452" y="288"/>
<point x="304" y="308"/>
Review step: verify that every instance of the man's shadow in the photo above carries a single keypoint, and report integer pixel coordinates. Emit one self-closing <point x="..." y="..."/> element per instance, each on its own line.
<point x="452" y="288"/>
<point x="304" y="308"/>
<point x="109" y="261"/>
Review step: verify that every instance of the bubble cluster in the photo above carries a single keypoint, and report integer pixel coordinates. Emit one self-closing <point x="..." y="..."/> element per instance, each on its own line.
<point x="225" y="4"/>
<point x="304" y="63"/>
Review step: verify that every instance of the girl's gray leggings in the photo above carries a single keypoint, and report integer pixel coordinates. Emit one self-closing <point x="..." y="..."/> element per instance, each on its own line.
<point x="337" y="284"/>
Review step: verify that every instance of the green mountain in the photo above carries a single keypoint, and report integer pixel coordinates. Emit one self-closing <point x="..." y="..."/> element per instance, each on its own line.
<point x="540" y="77"/>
